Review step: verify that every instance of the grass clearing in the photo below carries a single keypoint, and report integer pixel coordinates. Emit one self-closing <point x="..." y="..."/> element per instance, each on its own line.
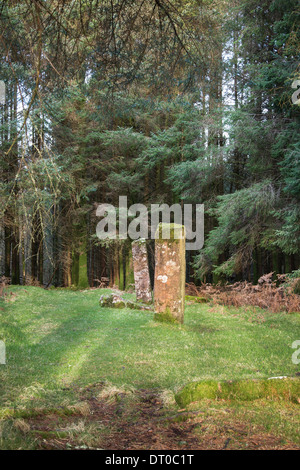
<point x="60" y="342"/>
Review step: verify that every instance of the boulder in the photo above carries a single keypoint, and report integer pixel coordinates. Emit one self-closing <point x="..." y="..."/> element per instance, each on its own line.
<point x="114" y="300"/>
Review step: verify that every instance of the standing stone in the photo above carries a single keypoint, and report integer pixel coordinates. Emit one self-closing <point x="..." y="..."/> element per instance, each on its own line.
<point x="141" y="271"/>
<point x="169" y="284"/>
<point x="2" y="249"/>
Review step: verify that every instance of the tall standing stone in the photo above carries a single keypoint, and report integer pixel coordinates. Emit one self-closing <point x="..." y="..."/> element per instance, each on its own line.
<point x="169" y="284"/>
<point x="2" y="249"/>
<point x="141" y="271"/>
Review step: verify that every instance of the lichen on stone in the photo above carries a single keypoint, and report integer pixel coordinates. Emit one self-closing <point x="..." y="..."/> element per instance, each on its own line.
<point x="114" y="300"/>
<point x="169" y="285"/>
<point x="141" y="271"/>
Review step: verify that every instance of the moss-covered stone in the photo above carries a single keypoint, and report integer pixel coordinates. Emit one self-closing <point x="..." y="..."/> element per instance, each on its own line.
<point x="195" y="299"/>
<point x="139" y="305"/>
<point x="113" y="300"/>
<point x="165" y="317"/>
<point x="244" y="390"/>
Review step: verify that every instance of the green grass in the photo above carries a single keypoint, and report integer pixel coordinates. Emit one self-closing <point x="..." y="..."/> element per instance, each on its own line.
<point x="62" y="346"/>
<point x="242" y="421"/>
<point x="60" y="340"/>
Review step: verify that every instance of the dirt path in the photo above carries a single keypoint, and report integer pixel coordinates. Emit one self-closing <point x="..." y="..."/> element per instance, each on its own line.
<point x="145" y="424"/>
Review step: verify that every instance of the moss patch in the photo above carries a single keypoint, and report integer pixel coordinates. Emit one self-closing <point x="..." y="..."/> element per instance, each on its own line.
<point x="166" y="317"/>
<point x="195" y="299"/>
<point x="34" y="413"/>
<point x="175" y="232"/>
<point x="248" y="390"/>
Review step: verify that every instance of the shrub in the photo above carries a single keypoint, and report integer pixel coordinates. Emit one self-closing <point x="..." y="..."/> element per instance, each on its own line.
<point x="279" y="295"/>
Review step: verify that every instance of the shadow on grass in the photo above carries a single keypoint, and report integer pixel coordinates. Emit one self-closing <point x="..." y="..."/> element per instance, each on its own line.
<point x="88" y="344"/>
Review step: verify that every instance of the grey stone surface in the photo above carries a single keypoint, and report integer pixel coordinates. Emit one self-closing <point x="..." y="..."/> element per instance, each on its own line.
<point x="141" y="271"/>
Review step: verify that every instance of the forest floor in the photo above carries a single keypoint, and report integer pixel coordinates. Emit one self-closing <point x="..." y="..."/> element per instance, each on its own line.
<point x="81" y="376"/>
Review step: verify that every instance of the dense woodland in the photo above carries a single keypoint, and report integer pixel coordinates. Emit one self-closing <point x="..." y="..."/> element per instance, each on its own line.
<point x="180" y="101"/>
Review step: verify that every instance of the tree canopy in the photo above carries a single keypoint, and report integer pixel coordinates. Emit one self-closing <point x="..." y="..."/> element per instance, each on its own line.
<point x="161" y="101"/>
